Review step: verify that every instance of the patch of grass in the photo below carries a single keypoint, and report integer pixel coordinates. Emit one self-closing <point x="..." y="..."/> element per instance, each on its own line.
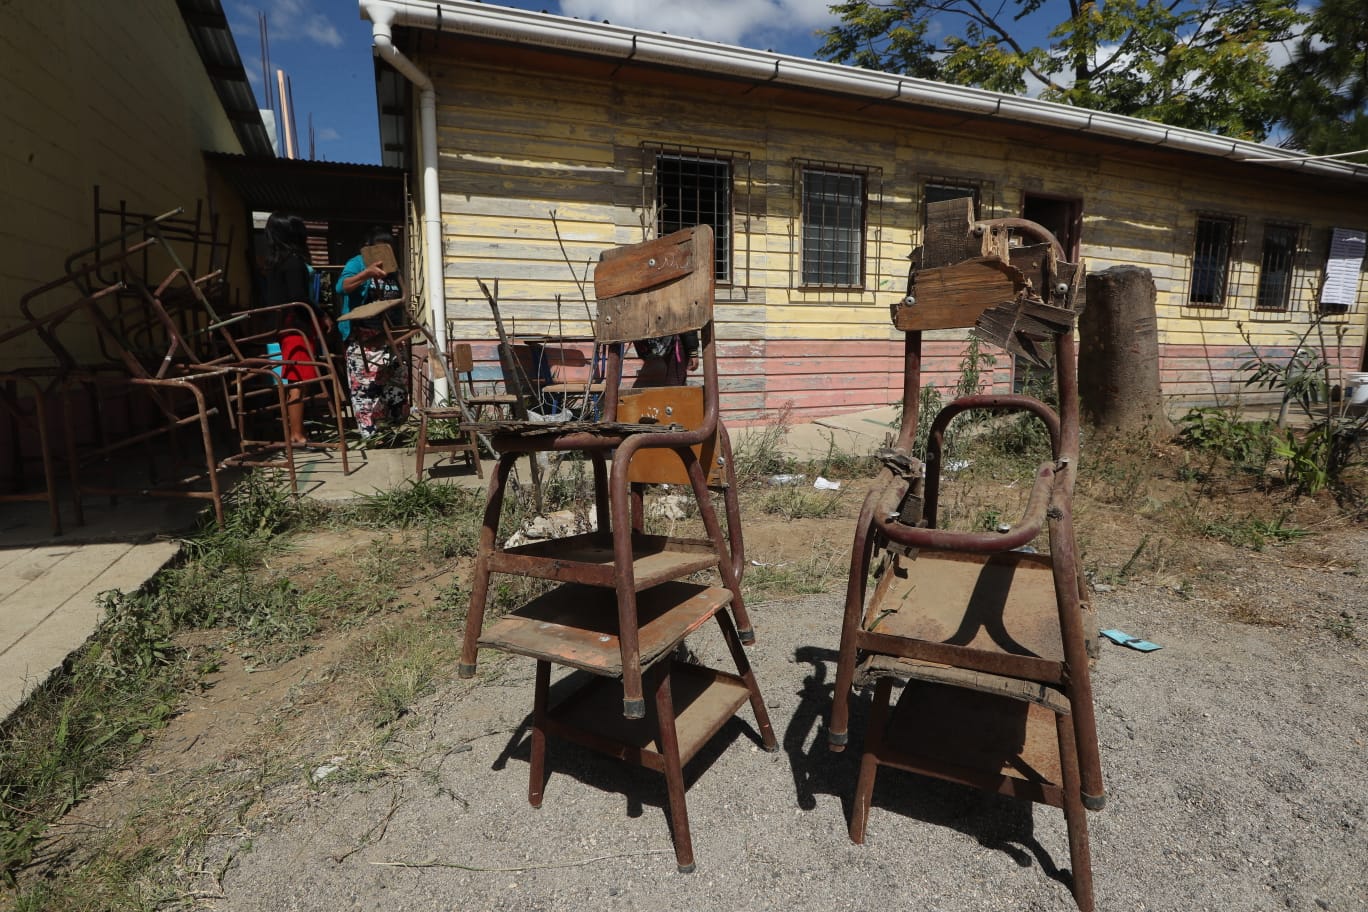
<point x="1343" y="627"/>
<point x="796" y="502"/>
<point x="840" y="463"/>
<point x="82" y="723"/>
<point x="414" y="503"/>
<point x="398" y="664"/>
<point x="757" y="452"/>
<point x="820" y="570"/>
<point x="1254" y="533"/>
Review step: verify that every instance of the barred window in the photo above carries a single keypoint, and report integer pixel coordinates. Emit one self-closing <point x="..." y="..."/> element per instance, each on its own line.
<point x="938" y="190"/>
<point x="696" y="190"/>
<point x="1212" y="244"/>
<point x="1275" y="266"/>
<point x="833" y="228"/>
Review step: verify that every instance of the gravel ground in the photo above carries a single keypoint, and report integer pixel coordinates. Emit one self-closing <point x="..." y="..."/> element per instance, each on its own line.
<point x="1233" y="760"/>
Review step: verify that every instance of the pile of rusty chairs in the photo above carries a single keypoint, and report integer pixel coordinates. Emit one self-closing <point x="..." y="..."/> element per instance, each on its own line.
<point x="985" y="636"/>
<point x="163" y="363"/>
<point x="625" y="600"/>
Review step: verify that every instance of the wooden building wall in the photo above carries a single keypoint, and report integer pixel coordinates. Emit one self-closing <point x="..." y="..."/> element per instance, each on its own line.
<point x="107" y="94"/>
<point x="541" y="171"/>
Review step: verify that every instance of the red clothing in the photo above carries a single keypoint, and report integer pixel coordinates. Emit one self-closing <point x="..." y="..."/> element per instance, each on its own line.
<point x="288" y="282"/>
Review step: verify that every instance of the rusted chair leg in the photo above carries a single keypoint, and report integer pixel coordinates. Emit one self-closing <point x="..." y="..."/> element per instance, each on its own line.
<point x="1063" y="550"/>
<point x="479" y="588"/>
<point x="869" y="761"/>
<point x="726" y="569"/>
<point x="743" y="669"/>
<point x="601" y="502"/>
<point x="838" y="734"/>
<point x="420" y="445"/>
<point x="1075" y="816"/>
<point x="668" y="741"/>
<point x="536" y="781"/>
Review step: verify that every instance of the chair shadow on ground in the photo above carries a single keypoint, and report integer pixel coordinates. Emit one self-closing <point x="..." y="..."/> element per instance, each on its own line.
<point x="640" y="786"/>
<point x="996" y="821"/>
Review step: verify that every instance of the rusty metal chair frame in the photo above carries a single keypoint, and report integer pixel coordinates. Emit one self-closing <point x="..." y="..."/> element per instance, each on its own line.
<point x="626" y="312"/>
<point x="46" y="309"/>
<point x="459" y="363"/>
<point x="623" y="606"/>
<point x="987" y="638"/>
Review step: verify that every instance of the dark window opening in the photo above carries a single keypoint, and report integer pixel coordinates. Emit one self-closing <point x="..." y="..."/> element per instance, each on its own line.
<point x="1275" y="267"/>
<point x="1211" y="261"/>
<point x="833" y="228"/>
<point x="692" y="190"/>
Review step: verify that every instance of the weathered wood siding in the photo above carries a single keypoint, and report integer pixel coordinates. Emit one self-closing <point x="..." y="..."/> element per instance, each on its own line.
<point x="542" y="171"/>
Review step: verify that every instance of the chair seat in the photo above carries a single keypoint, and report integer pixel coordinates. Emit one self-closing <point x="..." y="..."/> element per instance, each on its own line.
<point x="578" y="625"/>
<point x="705" y="699"/>
<point x="999" y="605"/>
<point x="588" y="558"/>
<point x="492" y="399"/>
<point x="514" y="429"/>
<point x="978" y="739"/>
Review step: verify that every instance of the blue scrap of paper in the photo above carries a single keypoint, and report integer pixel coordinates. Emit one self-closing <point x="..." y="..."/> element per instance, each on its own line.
<point x="1122" y="638"/>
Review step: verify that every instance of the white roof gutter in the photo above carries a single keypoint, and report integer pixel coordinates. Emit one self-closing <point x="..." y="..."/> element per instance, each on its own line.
<point x="616" y="42"/>
<point x="383" y="16"/>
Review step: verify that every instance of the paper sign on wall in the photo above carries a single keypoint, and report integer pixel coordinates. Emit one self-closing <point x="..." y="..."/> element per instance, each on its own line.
<point x="1347" y="246"/>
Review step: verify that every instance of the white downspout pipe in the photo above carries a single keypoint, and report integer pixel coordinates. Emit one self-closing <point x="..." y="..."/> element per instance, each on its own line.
<point x="381" y="15"/>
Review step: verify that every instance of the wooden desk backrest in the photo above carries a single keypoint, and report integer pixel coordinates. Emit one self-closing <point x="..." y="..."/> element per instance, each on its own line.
<point x="682" y="405"/>
<point x="656" y="288"/>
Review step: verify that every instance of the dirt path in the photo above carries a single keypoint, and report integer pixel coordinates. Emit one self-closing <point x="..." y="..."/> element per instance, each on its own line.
<point x="1232" y="758"/>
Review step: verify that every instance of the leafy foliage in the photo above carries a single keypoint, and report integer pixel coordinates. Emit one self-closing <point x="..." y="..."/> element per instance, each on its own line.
<point x="1202" y="64"/>
<point x="1324" y="90"/>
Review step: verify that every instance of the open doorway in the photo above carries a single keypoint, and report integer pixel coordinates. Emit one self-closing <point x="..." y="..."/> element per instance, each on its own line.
<point x="1062" y="216"/>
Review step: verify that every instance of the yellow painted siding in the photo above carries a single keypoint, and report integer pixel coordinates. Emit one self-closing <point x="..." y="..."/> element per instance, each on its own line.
<point x="112" y="94"/>
<point x="519" y="145"/>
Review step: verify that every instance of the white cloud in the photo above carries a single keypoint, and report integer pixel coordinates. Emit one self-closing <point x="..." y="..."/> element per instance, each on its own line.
<point x="327" y="134"/>
<point x="752" y="23"/>
<point x="290" y="20"/>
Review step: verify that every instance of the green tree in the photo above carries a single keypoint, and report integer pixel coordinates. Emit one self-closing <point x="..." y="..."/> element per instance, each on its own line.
<point x="1202" y="64"/>
<point x="1324" y="90"/>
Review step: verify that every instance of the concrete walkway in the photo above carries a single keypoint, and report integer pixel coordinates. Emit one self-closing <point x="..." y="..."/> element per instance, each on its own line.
<point x="49" y="586"/>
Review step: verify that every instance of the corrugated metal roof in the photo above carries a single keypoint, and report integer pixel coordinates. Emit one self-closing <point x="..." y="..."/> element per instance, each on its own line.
<point x="214" y="41"/>
<point x="314" y="189"/>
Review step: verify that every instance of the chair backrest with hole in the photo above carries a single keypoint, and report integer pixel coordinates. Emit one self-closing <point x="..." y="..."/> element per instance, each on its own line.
<point x="657" y="288"/>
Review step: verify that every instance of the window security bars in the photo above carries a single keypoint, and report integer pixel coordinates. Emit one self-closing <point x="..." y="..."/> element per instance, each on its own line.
<point x="1213" y="242"/>
<point x="833" y="226"/>
<point x="1276" y="263"/>
<point x="696" y="190"/>
<point x="937" y="189"/>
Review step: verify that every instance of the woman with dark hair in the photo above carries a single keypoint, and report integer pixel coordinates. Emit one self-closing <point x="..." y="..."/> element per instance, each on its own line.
<point x="289" y="279"/>
<point x="373" y="374"/>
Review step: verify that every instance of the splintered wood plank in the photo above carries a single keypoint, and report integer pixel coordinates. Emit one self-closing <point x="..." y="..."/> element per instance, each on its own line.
<point x="948" y="224"/>
<point x="978" y="739"/>
<point x="588" y="558"/>
<point x="578" y="625"/>
<point x="658" y="288"/>
<point x="704" y="700"/>
<point x="950" y="297"/>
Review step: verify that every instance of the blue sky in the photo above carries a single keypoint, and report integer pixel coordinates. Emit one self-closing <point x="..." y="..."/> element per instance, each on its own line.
<point x="324" y="47"/>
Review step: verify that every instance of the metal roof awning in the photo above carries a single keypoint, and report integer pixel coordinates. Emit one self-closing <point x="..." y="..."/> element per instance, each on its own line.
<point x="214" y="41"/>
<point x="314" y="189"/>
